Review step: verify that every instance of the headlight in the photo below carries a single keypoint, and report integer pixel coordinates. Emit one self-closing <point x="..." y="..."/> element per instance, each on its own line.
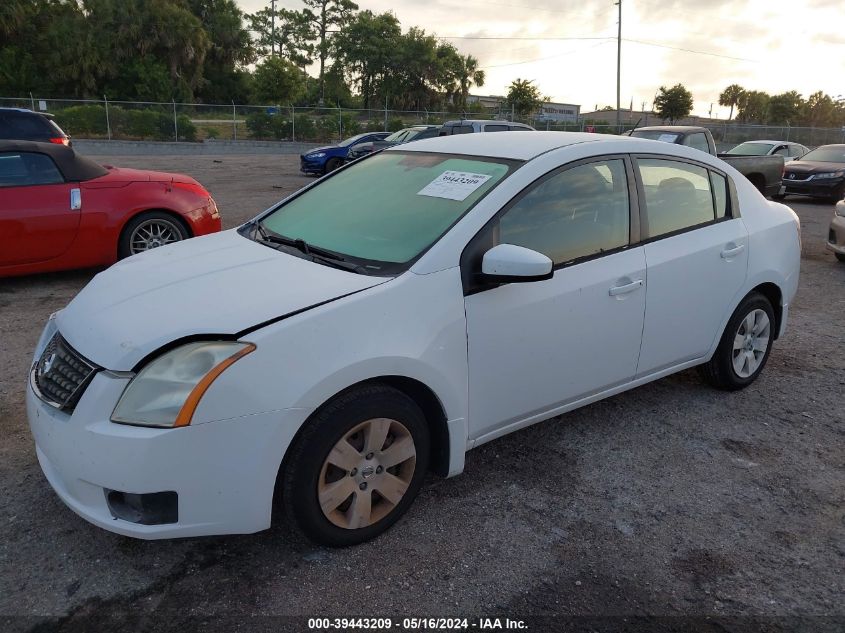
<point x="166" y="392"/>
<point x="830" y="174"/>
<point x="315" y="155"/>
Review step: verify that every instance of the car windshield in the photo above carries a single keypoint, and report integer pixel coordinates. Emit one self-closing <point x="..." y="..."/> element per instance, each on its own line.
<point x="396" y="136"/>
<point x="656" y="135"/>
<point x="751" y="149"/>
<point x="829" y="154"/>
<point x="386" y="210"/>
<point x="352" y="140"/>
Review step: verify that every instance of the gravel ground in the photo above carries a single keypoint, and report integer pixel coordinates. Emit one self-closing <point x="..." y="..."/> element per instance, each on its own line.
<point x="667" y="502"/>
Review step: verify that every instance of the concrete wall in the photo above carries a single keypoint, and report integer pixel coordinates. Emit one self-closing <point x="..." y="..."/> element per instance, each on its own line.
<point x="212" y="147"/>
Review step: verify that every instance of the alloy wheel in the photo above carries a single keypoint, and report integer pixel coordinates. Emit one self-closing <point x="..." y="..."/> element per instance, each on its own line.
<point x="751" y="342"/>
<point x="366" y="474"/>
<point x="152" y="234"/>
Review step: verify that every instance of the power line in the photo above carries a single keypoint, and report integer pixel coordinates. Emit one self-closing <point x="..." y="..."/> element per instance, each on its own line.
<point x="542" y="59"/>
<point x="689" y="50"/>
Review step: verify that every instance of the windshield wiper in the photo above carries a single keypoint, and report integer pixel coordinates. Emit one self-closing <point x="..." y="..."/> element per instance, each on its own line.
<point x="270" y="236"/>
<point x="316" y="253"/>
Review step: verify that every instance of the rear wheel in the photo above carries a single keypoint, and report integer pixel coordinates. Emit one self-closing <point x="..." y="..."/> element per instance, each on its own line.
<point x="150" y="230"/>
<point x="357" y="466"/>
<point x="745" y="345"/>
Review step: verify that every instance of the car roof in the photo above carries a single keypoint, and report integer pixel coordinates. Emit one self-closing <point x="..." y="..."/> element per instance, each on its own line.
<point x="26" y="111"/>
<point x="771" y="142"/>
<point x="681" y="129"/>
<point x="73" y="166"/>
<point x="511" y="145"/>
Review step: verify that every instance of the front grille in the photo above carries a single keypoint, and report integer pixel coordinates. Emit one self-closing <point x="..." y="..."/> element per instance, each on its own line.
<point x="796" y="177"/>
<point x="62" y="374"/>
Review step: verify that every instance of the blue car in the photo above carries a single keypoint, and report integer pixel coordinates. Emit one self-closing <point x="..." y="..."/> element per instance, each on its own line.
<point x="322" y="160"/>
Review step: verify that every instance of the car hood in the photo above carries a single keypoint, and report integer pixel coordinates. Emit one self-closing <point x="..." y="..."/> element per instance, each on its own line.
<point x="327" y="148"/>
<point x="220" y="284"/>
<point x="812" y="167"/>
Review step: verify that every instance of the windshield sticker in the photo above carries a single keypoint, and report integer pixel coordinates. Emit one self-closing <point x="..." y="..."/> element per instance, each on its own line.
<point x="453" y="185"/>
<point x="668" y="138"/>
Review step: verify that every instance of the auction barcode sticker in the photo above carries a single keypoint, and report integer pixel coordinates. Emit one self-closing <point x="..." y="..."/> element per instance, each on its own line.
<point x="453" y="185"/>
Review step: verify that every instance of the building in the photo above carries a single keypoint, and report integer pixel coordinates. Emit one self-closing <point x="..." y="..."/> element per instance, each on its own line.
<point x="494" y="104"/>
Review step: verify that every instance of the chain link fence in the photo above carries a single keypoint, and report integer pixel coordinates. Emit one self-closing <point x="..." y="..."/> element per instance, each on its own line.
<point x="195" y="122"/>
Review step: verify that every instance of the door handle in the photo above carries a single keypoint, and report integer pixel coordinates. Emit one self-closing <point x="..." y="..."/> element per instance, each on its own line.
<point x="75" y="199"/>
<point x="730" y="252"/>
<point x="625" y="289"/>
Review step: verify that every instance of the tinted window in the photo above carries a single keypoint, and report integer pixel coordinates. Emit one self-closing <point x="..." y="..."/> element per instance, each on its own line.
<point x="462" y="129"/>
<point x="720" y="193"/>
<point x="827" y="154"/>
<point x="678" y="195"/>
<point x="24" y="168"/>
<point x="697" y="141"/>
<point x="496" y="128"/>
<point x="575" y="213"/>
<point x="17" y="125"/>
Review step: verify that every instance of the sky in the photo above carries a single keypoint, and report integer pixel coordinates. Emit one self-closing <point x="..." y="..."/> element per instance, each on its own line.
<point x="768" y="45"/>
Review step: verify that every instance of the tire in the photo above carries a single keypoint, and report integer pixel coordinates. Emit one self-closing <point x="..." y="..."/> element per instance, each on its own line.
<point x="332" y="164"/>
<point x="840" y="257"/>
<point x="731" y="368"/>
<point x="333" y="493"/>
<point x="156" y="228"/>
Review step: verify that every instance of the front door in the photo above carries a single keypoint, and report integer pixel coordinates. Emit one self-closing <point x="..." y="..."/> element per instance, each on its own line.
<point x="536" y="346"/>
<point x="37" y="221"/>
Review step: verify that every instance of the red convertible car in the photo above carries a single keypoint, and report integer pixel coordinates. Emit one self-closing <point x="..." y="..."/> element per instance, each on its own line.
<point x="59" y="210"/>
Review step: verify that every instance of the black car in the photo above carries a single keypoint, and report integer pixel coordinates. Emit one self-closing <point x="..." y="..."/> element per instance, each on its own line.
<point x="416" y="133"/>
<point x="19" y="124"/>
<point x="819" y="173"/>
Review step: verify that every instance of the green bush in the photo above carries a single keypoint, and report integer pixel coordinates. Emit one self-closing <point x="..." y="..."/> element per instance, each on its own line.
<point x="83" y="119"/>
<point x="142" y="124"/>
<point x="305" y="128"/>
<point x="395" y="124"/>
<point x="211" y="132"/>
<point x="260" y="125"/>
<point x="281" y="127"/>
<point x="327" y="128"/>
<point x="187" y="130"/>
<point x="351" y="126"/>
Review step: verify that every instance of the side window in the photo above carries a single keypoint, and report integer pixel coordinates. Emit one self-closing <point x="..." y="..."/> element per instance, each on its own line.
<point x="677" y="195"/>
<point x="697" y="141"/>
<point x="462" y="129"/>
<point x="720" y="194"/>
<point x="495" y="127"/>
<point x="24" y="168"/>
<point x="783" y="150"/>
<point x="575" y="213"/>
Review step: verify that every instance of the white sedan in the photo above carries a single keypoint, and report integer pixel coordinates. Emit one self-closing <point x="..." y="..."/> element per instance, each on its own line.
<point x="381" y="322"/>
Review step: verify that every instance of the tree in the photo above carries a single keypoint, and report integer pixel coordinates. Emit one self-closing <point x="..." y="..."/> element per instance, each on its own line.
<point x="523" y="97"/>
<point x="365" y="50"/>
<point x="820" y="109"/>
<point x="731" y="96"/>
<point x="673" y="103"/>
<point x="785" y="108"/>
<point x="290" y="35"/>
<point x="278" y="81"/>
<point x="754" y="107"/>
<point x="325" y="16"/>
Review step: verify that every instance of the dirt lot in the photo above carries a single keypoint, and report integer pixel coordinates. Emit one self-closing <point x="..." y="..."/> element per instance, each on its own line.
<point x="672" y="500"/>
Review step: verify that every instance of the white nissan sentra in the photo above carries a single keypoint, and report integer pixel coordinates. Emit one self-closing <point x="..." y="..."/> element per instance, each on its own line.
<point x="381" y="322"/>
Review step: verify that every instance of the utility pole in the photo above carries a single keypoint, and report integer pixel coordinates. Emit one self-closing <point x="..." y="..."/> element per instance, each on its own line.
<point x="619" y="69"/>
<point x="273" y="27"/>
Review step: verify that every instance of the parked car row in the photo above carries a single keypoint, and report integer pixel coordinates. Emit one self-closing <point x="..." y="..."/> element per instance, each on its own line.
<point x="322" y="160"/>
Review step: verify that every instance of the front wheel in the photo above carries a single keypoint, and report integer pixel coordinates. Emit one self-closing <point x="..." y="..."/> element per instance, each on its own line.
<point x="745" y="345"/>
<point x="357" y="466"/>
<point x="150" y="230"/>
<point x="332" y="164"/>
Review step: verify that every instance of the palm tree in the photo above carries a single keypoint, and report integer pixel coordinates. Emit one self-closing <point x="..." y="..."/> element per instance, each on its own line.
<point x="731" y="96"/>
<point x="468" y="74"/>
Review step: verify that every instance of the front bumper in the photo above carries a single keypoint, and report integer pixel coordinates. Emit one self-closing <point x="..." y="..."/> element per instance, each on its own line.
<point x="223" y="472"/>
<point x="825" y="188"/>
<point x="312" y="166"/>
<point x="836" y="234"/>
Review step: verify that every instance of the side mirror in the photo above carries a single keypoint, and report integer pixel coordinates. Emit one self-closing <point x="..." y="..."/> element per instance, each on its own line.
<point x="511" y="263"/>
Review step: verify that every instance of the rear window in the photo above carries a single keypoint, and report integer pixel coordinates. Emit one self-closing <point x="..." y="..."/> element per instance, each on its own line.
<point x="496" y="128"/>
<point x="18" y="125"/>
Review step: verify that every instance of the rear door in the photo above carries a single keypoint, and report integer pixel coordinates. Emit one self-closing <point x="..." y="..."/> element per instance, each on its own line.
<point x="696" y="255"/>
<point x="37" y="218"/>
